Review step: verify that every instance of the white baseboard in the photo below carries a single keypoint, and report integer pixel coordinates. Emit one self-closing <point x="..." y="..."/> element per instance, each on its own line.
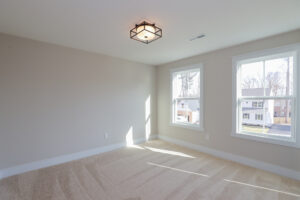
<point x="63" y="159"/>
<point x="239" y="159"/>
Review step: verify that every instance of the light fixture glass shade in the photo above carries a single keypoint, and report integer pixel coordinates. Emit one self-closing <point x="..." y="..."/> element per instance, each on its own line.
<point x="145" y="32"/>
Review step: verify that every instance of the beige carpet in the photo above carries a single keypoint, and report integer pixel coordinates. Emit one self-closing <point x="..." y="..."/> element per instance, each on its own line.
<point x="152" y="171"/>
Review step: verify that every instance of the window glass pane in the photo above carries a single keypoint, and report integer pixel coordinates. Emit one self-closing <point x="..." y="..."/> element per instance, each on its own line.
<point x="252" y="79"/>
<point x="246" y="115"/>
<point x="194" y="84"/>
<point x="186" y="84"/>
<point x="273" y="118"/>
<point x="253" y="116"/>
<point x="280" y="123"/>
<point x="187" y="111"/>
<point x="270" y="77"/>
<point x="279" y="76"/>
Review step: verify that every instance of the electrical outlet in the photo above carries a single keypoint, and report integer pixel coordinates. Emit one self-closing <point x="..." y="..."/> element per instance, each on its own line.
<point x="105" y="135"/>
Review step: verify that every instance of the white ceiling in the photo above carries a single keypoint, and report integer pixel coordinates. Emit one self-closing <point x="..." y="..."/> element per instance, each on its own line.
<point x="103" y="25"/>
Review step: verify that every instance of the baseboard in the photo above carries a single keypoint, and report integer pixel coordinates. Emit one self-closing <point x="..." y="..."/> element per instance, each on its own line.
<point x="239" y="159"/>
<point x="64" y="158"/>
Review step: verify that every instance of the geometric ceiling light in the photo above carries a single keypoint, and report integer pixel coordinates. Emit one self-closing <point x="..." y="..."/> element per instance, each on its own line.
<point x="145" y="32"/>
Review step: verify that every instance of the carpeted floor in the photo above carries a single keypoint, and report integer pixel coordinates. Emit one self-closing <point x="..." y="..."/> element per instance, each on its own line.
<point x="152" y="171"/>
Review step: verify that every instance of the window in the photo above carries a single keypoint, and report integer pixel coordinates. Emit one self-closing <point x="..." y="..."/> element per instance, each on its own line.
<point x="260" y="104"/>
<point x="246" y="116"/>
<point x="268" y="79"/>
<point x="258" y="117"/>
<point x="186" y="98"/>
<point x="254" y="104"/>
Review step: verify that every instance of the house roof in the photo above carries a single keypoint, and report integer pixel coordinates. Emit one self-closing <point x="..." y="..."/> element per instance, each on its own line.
<point x="244" y="109"/>
<point x="256" y="92"/>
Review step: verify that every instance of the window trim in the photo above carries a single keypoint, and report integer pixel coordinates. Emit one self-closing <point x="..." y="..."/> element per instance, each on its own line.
<point x="294" y="141"/>
<point x="183" y="125"/>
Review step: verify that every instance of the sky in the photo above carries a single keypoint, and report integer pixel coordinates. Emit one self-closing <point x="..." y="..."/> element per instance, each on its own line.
<point x="255" y="70"/>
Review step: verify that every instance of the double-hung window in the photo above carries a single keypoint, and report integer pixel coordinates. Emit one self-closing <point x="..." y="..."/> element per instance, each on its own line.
<point x="265" y="88"/>
<point x="186" y="97"/>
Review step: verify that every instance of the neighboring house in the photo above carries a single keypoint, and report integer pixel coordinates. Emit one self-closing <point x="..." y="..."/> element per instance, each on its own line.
<point x="257" y="112"/>
<point x="188" y="111"/>
<point x="280" y="109"/>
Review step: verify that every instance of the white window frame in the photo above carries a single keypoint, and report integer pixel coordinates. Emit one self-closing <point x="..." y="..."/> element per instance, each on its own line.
<point x="199" y="127"/>
<point x="237" y="61"/>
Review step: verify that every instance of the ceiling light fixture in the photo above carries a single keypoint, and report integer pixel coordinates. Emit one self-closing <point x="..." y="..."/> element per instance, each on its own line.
<point x="145" y="32"/>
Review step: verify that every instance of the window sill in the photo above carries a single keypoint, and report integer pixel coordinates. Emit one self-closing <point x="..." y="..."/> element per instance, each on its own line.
<point x="272" y="140"/>
<point x="195" y="128"/>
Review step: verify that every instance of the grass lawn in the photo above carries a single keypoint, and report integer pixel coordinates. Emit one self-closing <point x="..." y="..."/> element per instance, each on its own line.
<point x="255" y="129"/>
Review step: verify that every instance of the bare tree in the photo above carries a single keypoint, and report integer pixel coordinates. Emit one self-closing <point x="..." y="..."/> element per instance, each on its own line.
<point x="247" y="83"/>
<point x="252" y="82"/>
<point x="184" y="84"/>
<point x="274" y="82"/>
<point x="187" y="79"/>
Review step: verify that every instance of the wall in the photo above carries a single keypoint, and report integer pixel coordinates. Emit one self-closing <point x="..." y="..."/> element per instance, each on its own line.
<point x="56" y="100"/>
<point x="218" y="105"/>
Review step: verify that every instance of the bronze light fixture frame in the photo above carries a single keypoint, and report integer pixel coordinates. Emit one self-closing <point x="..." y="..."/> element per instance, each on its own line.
<point x="157" y="32"/>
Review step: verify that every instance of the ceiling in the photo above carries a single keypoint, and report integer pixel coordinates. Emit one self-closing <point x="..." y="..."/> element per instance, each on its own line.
<point x="103" y="26"/>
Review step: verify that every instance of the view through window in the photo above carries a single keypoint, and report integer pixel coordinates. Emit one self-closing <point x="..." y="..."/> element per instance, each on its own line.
<point x="265" y="96"/>
<point x="186" y="102"/>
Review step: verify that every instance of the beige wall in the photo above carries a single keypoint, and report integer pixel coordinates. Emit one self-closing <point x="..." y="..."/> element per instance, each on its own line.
<point x="218" y="105"/>
<point x="56" y="100"/>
